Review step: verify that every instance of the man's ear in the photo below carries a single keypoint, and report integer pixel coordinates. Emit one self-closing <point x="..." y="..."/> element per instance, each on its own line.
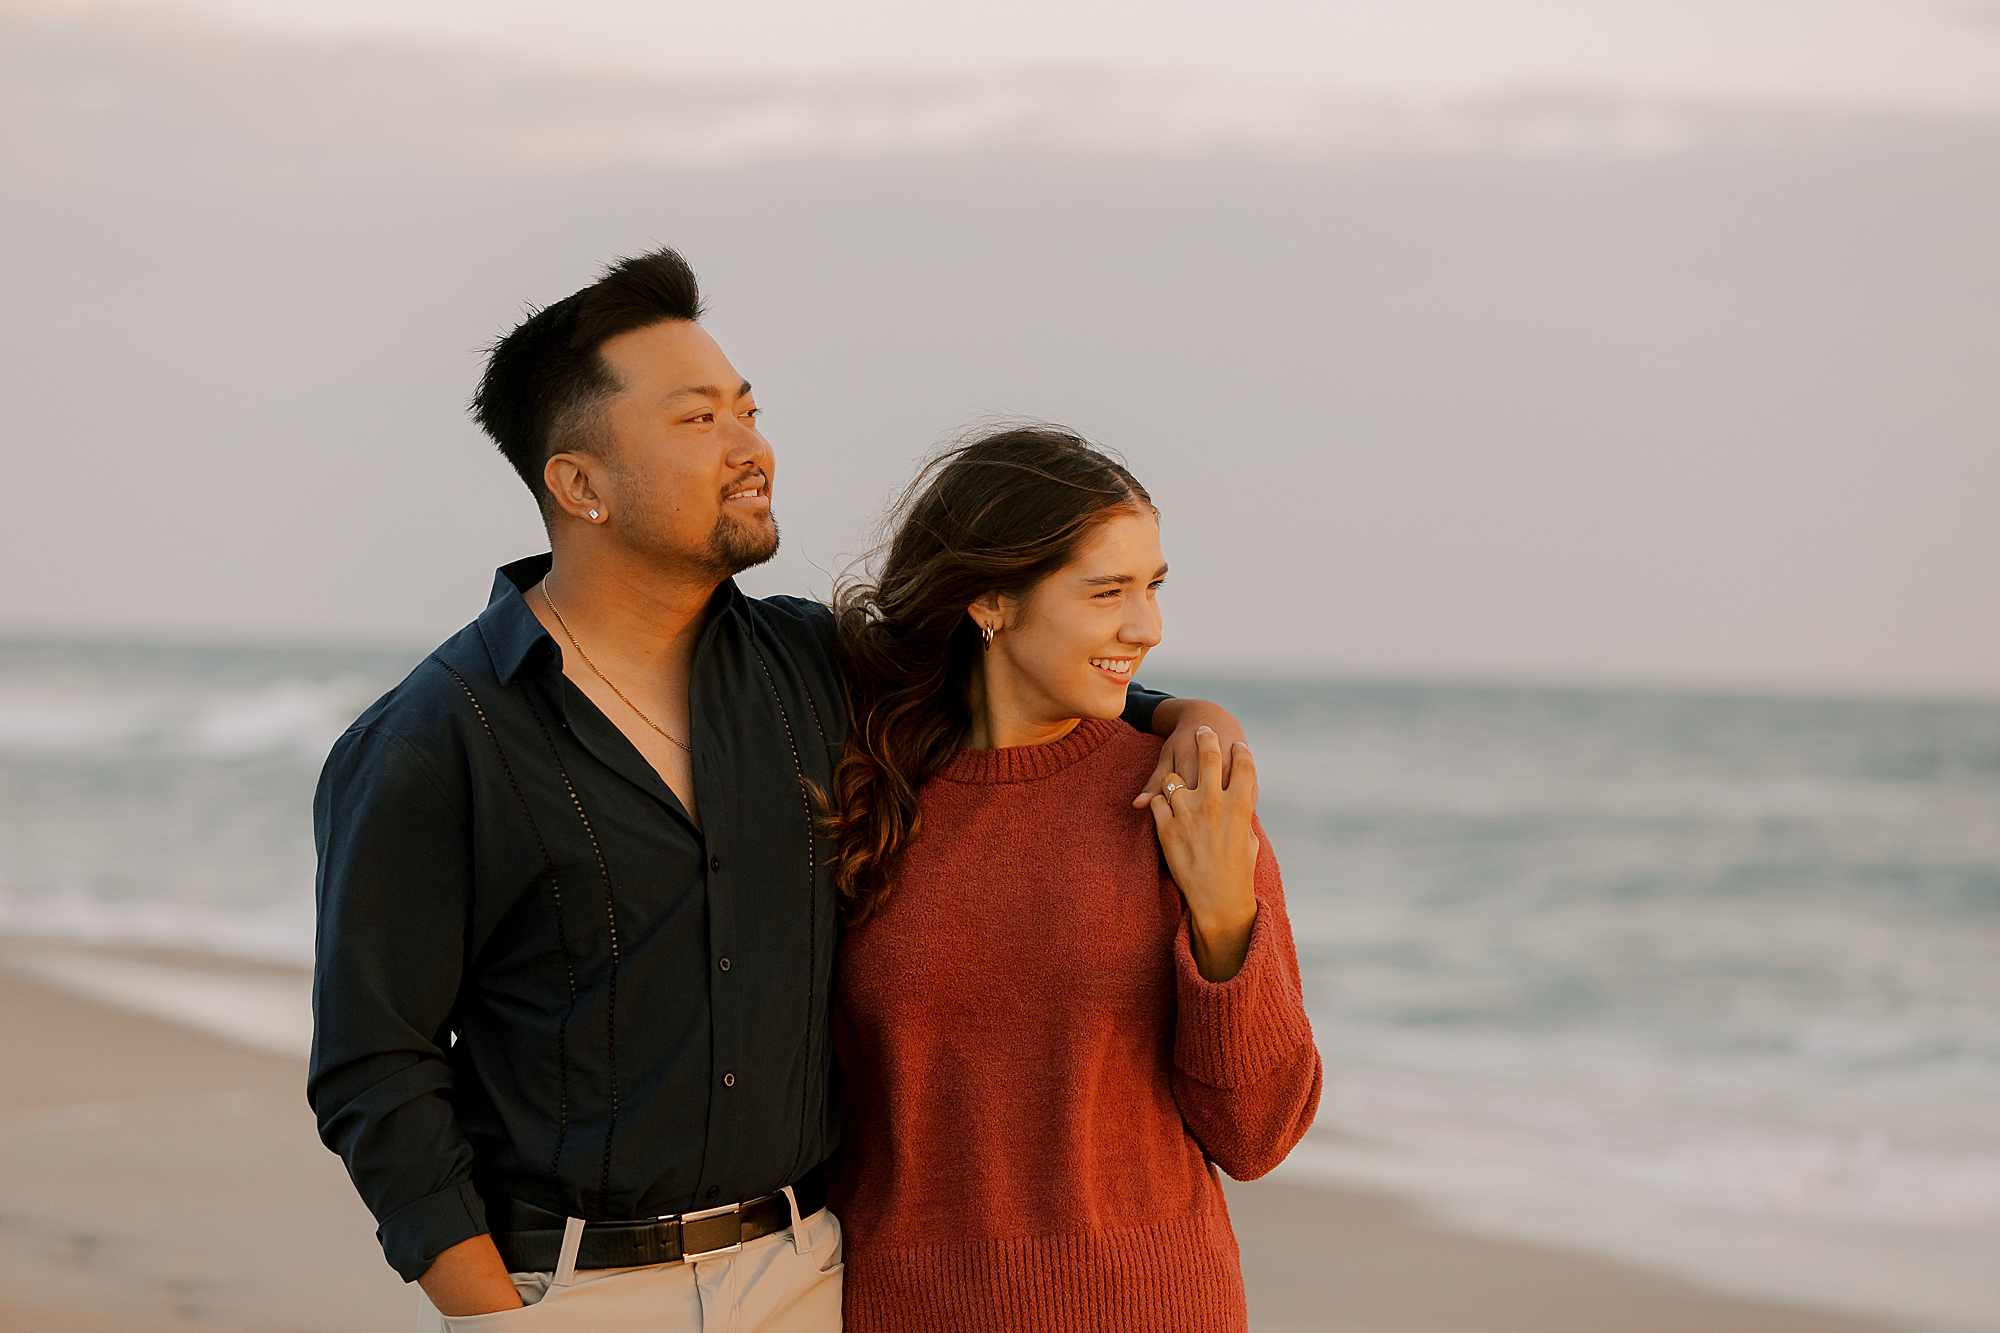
<point x="573" y="488"/>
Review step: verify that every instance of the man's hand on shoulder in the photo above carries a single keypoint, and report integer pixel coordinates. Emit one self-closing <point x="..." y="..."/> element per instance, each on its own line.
<point x="1177" y="720"/>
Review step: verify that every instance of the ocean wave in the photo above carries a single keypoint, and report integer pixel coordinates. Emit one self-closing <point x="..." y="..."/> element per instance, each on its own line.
<point x="295" y="716"/>
<point x="1355" y="789"/>
<point x="281" y="933"/>
<point x="40" y="722"/>
<point x="1938" y="1276"/>
<point x="1768" y="1135"/>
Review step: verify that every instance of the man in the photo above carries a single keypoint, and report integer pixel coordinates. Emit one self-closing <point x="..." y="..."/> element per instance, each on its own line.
<point x="576" y="930"/>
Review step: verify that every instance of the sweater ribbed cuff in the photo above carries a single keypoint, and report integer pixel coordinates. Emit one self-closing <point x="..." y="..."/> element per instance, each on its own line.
<point x="1233" y="1033"/>
<point x="417" y="1233"/>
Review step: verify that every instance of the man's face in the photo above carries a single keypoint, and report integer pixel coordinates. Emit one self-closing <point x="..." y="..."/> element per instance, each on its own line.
<point x="688" y="474"/>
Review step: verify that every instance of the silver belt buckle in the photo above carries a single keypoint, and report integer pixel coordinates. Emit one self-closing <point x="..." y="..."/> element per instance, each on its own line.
<point x="719" y="1222"/>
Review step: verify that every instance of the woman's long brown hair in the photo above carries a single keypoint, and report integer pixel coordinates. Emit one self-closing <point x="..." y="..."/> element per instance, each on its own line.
<point x="997" y="513"/>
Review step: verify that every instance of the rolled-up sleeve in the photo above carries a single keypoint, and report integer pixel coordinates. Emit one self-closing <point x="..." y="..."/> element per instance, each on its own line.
<point x="394" y="895"/>
<point x="1140" y="705"/>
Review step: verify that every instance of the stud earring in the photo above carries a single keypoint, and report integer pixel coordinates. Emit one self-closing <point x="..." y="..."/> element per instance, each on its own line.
<point x="593" y="513"/>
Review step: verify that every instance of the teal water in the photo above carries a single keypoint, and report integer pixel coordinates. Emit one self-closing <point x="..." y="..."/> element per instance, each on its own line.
<point x="1733" y="954"/>
<point x="164" y="793"/>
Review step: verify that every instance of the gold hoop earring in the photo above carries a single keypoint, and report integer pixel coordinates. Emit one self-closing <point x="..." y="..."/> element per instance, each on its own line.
<point x="986" y="633"/>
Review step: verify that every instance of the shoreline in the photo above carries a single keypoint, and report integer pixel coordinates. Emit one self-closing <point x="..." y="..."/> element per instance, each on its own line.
<point x="1327" y="1259"/>
<point x="161" y="1177"/>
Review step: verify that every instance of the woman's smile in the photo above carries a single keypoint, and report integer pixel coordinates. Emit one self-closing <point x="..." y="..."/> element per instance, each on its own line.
<point x="1119" y="669"/>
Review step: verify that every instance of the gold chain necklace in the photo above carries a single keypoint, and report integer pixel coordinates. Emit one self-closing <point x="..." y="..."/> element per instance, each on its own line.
<point x="606" y="679"/>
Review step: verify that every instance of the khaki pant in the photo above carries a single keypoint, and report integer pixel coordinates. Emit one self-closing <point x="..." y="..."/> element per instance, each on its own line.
<point x="772" y="1285"/>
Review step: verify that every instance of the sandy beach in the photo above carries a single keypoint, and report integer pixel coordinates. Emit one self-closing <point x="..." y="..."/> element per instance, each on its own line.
<point x="154" y="1176"/>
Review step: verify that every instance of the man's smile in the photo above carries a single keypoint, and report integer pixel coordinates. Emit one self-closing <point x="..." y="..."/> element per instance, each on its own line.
<point x="757" y="496"/>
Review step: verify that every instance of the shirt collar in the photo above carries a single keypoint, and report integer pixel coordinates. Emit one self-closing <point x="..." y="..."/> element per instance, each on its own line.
<point x="512" y="632"/>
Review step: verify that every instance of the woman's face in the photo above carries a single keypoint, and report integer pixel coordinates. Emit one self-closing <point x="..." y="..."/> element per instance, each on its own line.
<point x="1071" y="645"/>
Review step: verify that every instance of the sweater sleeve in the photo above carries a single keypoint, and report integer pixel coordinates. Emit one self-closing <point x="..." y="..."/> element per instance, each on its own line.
<point x="1246" y="1072"/>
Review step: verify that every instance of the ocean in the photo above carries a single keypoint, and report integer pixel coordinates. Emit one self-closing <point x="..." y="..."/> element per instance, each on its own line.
<point x="1705" y="982"/>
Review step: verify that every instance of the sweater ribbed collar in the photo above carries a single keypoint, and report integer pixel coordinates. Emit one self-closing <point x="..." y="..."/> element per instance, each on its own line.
<point x="1030" y="763"/>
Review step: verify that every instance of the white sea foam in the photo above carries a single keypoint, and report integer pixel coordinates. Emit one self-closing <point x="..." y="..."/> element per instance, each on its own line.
<point x="1937" y="1277"/>
<point x="1753" y="1137"/>
<point x="52" y="721"/>
<point x="303" y="716"/>
<point x="289" y="715"/>
<point x="270" y="1013"/>
<point x="279" y="933"/>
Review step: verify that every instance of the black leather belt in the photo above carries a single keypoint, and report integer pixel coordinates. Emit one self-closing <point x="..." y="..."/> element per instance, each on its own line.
<point x="530" y="1238"/>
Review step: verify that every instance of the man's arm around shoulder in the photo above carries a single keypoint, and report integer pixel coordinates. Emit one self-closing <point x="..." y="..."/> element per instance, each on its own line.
<point x="1179" y="721"/>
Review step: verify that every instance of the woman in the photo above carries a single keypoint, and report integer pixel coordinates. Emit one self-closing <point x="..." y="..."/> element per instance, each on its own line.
<point x="1045" y="1037"/>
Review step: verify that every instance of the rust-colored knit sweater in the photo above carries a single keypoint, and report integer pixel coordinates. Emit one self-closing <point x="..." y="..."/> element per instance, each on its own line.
<point x="1036" y="1075"/>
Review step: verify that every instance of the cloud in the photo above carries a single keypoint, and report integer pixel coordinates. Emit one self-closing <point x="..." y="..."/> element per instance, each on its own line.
<point x="153" y="92"/>
<point x="1571" y="381"/>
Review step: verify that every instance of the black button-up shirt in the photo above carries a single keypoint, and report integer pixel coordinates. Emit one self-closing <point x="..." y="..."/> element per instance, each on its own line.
<point x="536" y="976"/>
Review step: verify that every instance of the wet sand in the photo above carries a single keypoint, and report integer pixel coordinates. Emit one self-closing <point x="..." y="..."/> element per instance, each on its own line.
<point x="1334" y="1261"/>
<point x="155" y="1178"/>
<point x="152" y="1178"/>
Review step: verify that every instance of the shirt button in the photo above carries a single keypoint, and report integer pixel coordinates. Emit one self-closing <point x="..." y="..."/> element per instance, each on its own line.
<point x="724" y="964"/>
<point x="729" y="1080"/>
<point x="715" y="863"/>
<point x="714" y="1190"/>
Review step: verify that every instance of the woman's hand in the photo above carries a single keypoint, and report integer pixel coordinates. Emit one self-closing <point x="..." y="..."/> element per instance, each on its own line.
<point x="1211" y="848"/>
<point x="1183" y="720"/>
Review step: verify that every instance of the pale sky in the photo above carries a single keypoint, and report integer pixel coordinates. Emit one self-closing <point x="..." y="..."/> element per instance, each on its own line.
<point x="1877" y="53"/>
<point x="1694" y="396"/>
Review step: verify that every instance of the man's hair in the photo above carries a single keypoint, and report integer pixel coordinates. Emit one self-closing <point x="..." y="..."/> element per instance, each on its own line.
<point x="545" y="382"/>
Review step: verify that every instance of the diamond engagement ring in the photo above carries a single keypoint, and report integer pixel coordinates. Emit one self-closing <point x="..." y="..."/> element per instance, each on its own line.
<point x="1173" y="787"/>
